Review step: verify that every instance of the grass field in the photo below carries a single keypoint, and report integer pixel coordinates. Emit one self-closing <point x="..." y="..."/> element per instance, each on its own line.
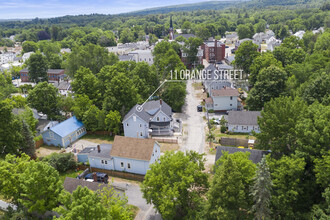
<point x="99" y="139"/>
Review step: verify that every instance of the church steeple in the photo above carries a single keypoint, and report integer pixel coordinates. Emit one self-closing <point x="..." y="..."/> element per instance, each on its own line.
<point x="171" y="23"/>
<point x="171" y="34"/>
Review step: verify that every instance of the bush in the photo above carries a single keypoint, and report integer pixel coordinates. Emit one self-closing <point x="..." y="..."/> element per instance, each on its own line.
<point x="61" y="162"/>
<point x="37" y="138"/>
<point x="223" y="129"/>
<point x="211" y="111"/>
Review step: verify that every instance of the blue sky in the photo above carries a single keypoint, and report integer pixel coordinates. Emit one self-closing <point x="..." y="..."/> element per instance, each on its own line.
<point x="53" y="8"/>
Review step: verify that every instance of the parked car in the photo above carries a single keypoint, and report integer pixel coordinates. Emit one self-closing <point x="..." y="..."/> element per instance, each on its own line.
<point x="199" y="108"/>
<point x="101" y="177"/>
<point x="227" y="46"/>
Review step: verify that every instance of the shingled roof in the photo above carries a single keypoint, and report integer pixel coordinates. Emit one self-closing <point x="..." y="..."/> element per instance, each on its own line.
<point x="132" y="148"/>
<point x="149" y="109"/>
<point x="243" y="117"/>
<point x="227" y="91"/>
<point x="255" y="156"/>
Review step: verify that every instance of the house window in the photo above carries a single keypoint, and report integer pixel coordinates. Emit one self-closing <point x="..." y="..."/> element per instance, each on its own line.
<point x="141" y="134"/>
<point x="127" y="124"/>
<point x="102" y="161"/>
<point x="134" y="118"/>
<point x="231" y="104"/>
<point x="140" y="125"/>
<point x="242" y="127"/>
<point x="156" y="150"/>
<point x="164" y="118"/>
<point x="157" y="118"/>
<point x="247" y="127"/>
<point x="231" y="98"/>
<point x="122" y="164"/>
<point x="128" y="166"/>
<point x="106" y="162"/>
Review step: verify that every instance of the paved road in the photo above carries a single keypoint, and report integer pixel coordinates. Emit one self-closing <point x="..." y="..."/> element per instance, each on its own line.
<point x="134" y="196"/>
<point x="193" y="122"/>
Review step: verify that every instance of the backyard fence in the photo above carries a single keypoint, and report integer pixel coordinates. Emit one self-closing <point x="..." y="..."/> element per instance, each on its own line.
<point x="234" y="142"/>
<point x="125" y="175"/>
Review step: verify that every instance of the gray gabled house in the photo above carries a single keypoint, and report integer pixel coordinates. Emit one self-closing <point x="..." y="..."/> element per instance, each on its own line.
<point x="154" y="118"/>
<point x="255" y="155"/>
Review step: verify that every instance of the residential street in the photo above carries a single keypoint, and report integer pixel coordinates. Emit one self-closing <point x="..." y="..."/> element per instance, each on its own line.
<point x="194" y="135"/>
<point x="134" y="195"/>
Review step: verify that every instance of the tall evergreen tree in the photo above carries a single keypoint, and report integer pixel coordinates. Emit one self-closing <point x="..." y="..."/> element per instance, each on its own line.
<point x="261" y="191"/>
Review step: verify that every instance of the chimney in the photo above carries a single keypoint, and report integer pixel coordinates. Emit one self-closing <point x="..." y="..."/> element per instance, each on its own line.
<point x="94" y="177"/>
<point x="160" y="101"/>
<point x="98" y="148"/>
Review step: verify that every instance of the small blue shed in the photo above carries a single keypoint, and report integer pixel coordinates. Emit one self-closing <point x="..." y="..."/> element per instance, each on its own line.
<point x="64" y="133"/>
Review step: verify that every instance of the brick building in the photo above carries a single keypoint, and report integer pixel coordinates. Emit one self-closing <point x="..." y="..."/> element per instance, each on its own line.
<point x="214" y="51"/>
<point x="53" y="74"/>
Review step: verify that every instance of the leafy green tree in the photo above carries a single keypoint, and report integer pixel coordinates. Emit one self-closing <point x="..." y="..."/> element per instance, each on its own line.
<point x="62" y="162"/>
<point x="45" y="98"/>
<point x="261" y="191"/>
<point x="38" y="66"/>
<point x="113" y="122"/>
<point x="322" y="170"/>
<point x="66" y="104"/>
<point x="86" y="83"/>
<point x="202" y="32"/>
<point x="312" y="136"/>
<point x="245" y="31"/>
<point x="318" y="89"/>
<point x="29" y="46"/>
<point x="121" y="94"/>
<point x="6" y="86"/>
<point x="174" y="95"/>
<point x="186" y="26"/>
<point x="278" y="125"/>
<point x="10" y="170"/>
<point x="245" y="55"/>
<point x="229" y="195"/>
<point x="10" y="129"/>
<point x="115" y="203"/>
<point x="81" y="104"/>
<point x="28" y="144"/>
<point x="145" y="79"/>
<point x="191" y="48"/>
<point x="286" y="173"/>
<point x="41" y="186"/>
<point x="90" y="56"/>
<point x="176" y="184"/>
<point x="28" y="116"/>
<point x="322" y="211"/>
<point x="82" y="204"/>
<point x="270" y="84"/>
<point x="265" y="60"/>
<point x="90" y="118"/>
<point x="126" y="36"/>
<point x="261" y="26"/>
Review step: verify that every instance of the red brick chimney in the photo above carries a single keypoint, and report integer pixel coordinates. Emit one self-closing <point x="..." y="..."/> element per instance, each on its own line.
<point x="95" y="177"/>
<point x="160" y="101"/>
<point x="98" y="148"/>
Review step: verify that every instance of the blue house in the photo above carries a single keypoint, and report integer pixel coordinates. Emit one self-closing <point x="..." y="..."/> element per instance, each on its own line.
<point x="64" y="133"/>
<point x="153" y="118"/>
<point x="132" y="155"/>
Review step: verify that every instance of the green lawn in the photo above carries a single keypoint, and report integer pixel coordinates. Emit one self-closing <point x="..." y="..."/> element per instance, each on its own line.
<point x="99" y="139"/>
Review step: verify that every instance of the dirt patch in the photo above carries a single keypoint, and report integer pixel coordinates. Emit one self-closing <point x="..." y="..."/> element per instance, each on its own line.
<point x="168" y="147"/>
<point x="197" y="85"/>
<point x="45" y="150"/>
